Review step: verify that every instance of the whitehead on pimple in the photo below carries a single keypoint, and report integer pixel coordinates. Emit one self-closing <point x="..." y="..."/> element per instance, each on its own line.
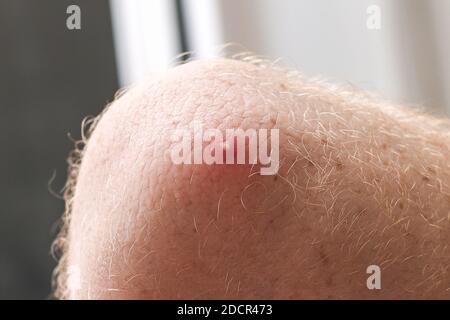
<point x="238" y="146"/>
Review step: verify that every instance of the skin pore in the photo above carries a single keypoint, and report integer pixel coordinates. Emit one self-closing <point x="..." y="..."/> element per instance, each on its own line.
<point x="361" y="182"/>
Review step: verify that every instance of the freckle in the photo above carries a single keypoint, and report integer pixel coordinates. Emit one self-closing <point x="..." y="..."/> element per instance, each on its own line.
<point x="431" y="170"/>
<point x="323" y="256"/>
<point x="275" y="178"/>
<point x="283" y="86"/>
<point x="384" y="146"/>
<point x="339" y="166"/>
<point x="324" y="141"/>
<point x="401" y="205"/>
<point x="425" y="178"/>
<point x="273" y="120"/>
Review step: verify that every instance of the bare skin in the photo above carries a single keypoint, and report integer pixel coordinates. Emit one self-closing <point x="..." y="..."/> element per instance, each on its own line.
<point x="360" y="183"/>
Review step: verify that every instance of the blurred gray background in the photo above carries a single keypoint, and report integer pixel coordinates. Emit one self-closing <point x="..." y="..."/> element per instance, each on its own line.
<point x="405" y="60"/>
<point x="52" y="77"/>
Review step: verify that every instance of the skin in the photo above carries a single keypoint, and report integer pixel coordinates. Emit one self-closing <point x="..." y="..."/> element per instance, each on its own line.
<point x="361" y="182"/>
